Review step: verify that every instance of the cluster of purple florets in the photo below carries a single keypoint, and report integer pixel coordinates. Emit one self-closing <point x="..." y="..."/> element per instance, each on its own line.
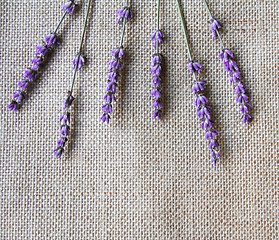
<point x="124" y="13"/>
<point x="215" y="25"/>
<point x="65" y="126"/>
<point x="78" y="62"/>
<point x="31" y="73"/>
<point x="156" y="69"/>
<point x="204" y="111"/>
<point x="228" y="57"/>
<point x="114" y="67"/>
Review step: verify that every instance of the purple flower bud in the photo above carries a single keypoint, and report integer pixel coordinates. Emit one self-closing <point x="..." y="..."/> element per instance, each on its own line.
<point x="157" y="82"/>
<point x="124" y="13"/>
<point x="37" y="62"/>
<point x="157" y="37"/>
<point x="79" y="61"/>
<point x="239" y="88"/>
<point x="105" y="118"/>
<point x="58" y="152"/>
<point x="156" y="59"/>
<point x="23" y="84"/>
<point x="19" y="95"/>
<point x="113" y="76"/>
<point x="156" y="93"/>
<point x="61" y="142"/>
<point x="111" y="87"/>
<point x="194" y="66"/>
<point x="65" y="118"/>
<point x="215" y="25"/>
<point x="206" y="124"/>
<point x="199" y="99"/>
<point x="215" y="155"/>
<point x="109" y="98"/>
<point x="204" y="112"/>
<point x="157" y="104"/>
<point x="157" y="114"/>
<point x="115" y="64"/>
<point x="69" y="7"/>
<point x="156" y="70"/>
<point x="68" y="101"/>
<point x="13" y="106"/>
<point x="211" y="134"/>
<point x="51" y="39"/>
<point x="118" y="53"/>
<point x="213" y="144"/>
<point x="64" y="130"/>
<point x="107" y="108"/>
<point x="246" y="118"/>
<point x="30" y="74"/>
<point x="42" y="50"/>
<point x="198" y="86"/>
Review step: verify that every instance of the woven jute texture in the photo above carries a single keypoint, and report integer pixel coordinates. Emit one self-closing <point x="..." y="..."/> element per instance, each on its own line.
<point x="138" y="178"/>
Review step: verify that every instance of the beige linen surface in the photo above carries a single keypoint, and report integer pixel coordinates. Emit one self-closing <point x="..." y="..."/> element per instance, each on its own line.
<point x="138" y="178"/>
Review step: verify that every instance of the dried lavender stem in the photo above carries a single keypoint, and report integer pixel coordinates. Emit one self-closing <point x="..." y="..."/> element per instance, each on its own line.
<point x="80" y="46"/>
<point x="123" y="31"/>
<point x="231" y="66"/>
<point x="64" y="15"/>
<point x="209" y="12"/>
<point x="184" y="28"/>
<point x="40" y="59"/>
<point x="201" y="102"/>
<point x="158" y="23"/>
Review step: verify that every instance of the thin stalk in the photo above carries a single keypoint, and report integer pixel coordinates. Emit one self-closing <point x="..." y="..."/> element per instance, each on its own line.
<point x="158" y="14"/>
<point x="207" y="8"/>
<point x="74" y="77"/>
<point x="184" y="29"/>
<point x="218" y="34"/>
<point x="61" y="20"/>
<point x="81" y="43"/>
<point x="158" y="24"/>
<point x="123" y="31"/>
<point x="84" y="26"/>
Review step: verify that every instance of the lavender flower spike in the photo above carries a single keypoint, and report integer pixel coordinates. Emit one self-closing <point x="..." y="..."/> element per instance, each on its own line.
<point x="124" y="13"/>
<point x="115" y="67"/>
<point x="69" y="7"/>
<point x="156" y="68"/>
<point x="231" y="67"/>
<point x="38" y="61"/>
<point x="215" y="25"/>
<point x="78" y="62"/>
<point x="201" y="102"/>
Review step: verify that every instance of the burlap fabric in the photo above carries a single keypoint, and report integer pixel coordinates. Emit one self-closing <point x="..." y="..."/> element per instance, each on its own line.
<point x="138" y="178"/>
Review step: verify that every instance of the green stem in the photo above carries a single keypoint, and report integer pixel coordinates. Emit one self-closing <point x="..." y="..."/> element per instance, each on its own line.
<point x="184" y="29"/>
<point x="158" y="24"/>
<point x="123" y="31"/>
<point x="81" y="43"/>
<point x="207" y="8"/>
<point x="61" y="20"/>
<point x="84" y="26"/>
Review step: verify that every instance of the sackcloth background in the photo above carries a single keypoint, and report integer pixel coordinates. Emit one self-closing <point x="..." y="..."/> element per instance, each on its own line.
<point x="139" y="178"/>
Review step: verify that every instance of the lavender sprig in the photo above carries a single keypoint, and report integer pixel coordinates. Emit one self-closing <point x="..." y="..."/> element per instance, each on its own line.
<point x="157" y="62"/>
<point x="201" y="102"/>
<point x="115" y="65"/>
<point x="231" y="67"/>
<point x="78" y="62"/>
<point x="41" y="56"/>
